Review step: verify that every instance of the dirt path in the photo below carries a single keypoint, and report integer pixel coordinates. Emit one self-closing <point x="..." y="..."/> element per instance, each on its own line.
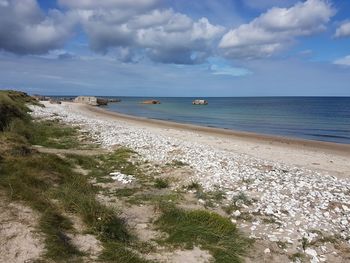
<point x="70" y="151"/>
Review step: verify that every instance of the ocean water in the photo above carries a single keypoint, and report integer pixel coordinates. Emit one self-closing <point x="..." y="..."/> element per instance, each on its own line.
<point x="313" y="118"/>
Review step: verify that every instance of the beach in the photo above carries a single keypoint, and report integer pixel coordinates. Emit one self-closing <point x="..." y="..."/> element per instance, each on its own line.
<point x="302" y="186"/>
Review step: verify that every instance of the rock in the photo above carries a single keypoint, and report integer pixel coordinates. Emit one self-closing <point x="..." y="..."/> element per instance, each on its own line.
<point x="201" y="201"/>
<point x="311" y="252"/>
<point x="236" y="213"/>
<point x="122" y="178"/>
<point x="150" y="102"/>
<point x="267" y="251"/>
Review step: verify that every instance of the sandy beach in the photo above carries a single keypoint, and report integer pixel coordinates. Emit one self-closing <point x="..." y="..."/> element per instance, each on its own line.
<point x="324" y="156"/>
<point x="303" y="186"/>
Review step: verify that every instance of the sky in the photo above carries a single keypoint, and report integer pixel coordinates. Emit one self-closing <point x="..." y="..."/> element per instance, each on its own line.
<point x="176" y="47"/>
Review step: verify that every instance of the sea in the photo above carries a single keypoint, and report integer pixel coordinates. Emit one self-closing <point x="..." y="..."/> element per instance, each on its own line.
<point x="312" y="118"/>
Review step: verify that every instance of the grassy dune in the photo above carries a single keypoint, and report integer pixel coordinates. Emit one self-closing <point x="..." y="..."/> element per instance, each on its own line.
<point x="52" y="186"/>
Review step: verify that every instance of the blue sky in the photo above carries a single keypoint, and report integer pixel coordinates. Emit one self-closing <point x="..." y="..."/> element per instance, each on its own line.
<point x="176" y="47"/>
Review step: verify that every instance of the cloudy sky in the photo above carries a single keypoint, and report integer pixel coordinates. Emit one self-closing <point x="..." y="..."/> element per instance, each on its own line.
<point x="176" y="47"/>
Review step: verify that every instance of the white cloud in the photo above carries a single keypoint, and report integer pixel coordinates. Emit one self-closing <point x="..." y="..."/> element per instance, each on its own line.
<point x="162" y="34"/>
<point x="343" y="30"/>
<point x="25" y="29"/>
<point x="276" y="29"/>
<point x="345" y="61"/>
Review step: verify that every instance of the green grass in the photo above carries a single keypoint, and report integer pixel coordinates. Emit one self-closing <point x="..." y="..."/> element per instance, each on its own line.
<point x="211" y="197"/>
<point x="38" y="179"/>
<point x="10" y="110"/>
<point x="119" y="161"/>
<point x="52" y="134"/>
<point x="78" y="196"/>
<point x="29" y="179"/>
<point x="202" y="228"/>
<point x="117" y="253"/>
<point x="161" y="183"/>
<point x="194" y="186"/>
<point x="126" y="192"/>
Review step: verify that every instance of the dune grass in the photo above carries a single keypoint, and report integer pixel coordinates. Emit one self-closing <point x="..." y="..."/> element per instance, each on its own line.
<point x="29" y="179"/>
<point x="205" y="229"/>
<point x="50" y="185"/>
<point x="161" y="183"/>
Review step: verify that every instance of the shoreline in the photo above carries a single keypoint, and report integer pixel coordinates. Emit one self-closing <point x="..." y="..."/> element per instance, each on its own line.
<point x="234" y="134"/>
<point x="324" y="157"/>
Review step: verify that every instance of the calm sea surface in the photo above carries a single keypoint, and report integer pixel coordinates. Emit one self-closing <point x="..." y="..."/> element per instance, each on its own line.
<point x="313" y="118"/>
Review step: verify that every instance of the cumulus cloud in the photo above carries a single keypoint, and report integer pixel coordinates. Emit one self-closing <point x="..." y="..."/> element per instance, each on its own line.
<point x="161" y="34"/>
<point x="276" y="29"/>
<point x="25" y="29"/>
<point x="343" y="30"/>
<point x="345" y="61"/>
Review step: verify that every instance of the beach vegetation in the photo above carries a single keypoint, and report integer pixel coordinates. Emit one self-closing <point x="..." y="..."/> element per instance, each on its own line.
<point x="49" y="184"/>
<point x="161" y="183"/>
<point x="209" y="230"/>
<point x="29" y="179"/>
<point x="194" y="186"/>
<point x="212" y="198"/>
<point x="154" y="198"/>
<point x="126" y="192"/>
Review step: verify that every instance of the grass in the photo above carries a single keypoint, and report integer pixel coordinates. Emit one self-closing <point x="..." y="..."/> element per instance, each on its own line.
<point x="202" y="228"/>
<point x="52" y="134"/>
<point x="13" y="106"/>
<point x="210" y="197"/>
<point x="126" y="192"/>
<point x="194" y="186"/>
<point x="117" y="253"/>
<point x="50" y="185"/>
<point x="29" y="179"/>
<point x="119" y="161"/>
<point x="152" y="198"/>
<point x="161" y="183"/>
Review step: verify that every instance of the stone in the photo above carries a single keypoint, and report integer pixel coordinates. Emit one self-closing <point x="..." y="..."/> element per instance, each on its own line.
<point x="236" y="213"/>
<point x="267" y="251"/>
